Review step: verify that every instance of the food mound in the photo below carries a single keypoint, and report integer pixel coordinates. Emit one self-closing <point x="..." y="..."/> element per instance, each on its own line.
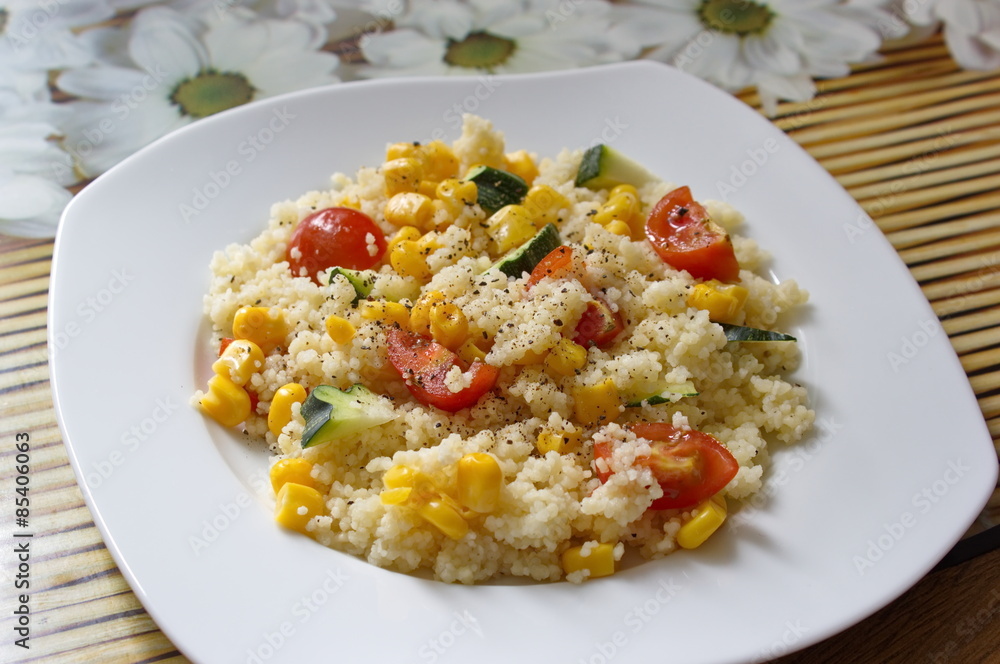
<point x="471" y="363"/>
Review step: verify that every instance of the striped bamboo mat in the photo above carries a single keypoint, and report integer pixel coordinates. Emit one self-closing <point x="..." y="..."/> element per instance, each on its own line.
<point x="914" y="139"/>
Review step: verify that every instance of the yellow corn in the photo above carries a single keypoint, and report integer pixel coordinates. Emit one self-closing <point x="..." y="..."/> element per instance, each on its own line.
<point x="225" y="402"/>
<point x="264" y="326"/>
<point x="296" y="470"/>
<point x="560" y="442"/>
<point x="457" y="195"/>
<point x="531" y="357"/>
<point x="597" y="403"/>
<point x="385" y="312"/>
<point x="546" y="205"/>
<point x="409" y="209"/>
<point x="510" y="227"/>
<point x="420" y="314"/>
<point x="479" y="482"/>
<point x="401" y="150"/>
<point x="622" y="206"/>
<point x="624" y="189"/>
<point x="399" y="477"/>
<point x="449" y="326"/>
<point x="397" y="496"/>
<point x="339" y="329"/>
<point x="408" y="260"/>
<point x="444" y="517"/>
<point x="599" y="561"/>
<point x="440" y="162"/>
<point x="405" y="234"/>
<point x="470" y="352"/>
<point x="296" y="504"/>
<point x="521" y="164"/>
<point x="280" y="413"/>
<point x="705" y="520"/>
<point x="401" y="175"/>
<point x="241" y="359"/>
<point x="619" y="227"/>
<point x="723" y="302"/>
<point x="566" y="358"/>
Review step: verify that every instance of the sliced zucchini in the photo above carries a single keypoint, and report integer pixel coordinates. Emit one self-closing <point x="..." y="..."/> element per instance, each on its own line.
<point x="752" y="334"/>
<point x="669" y="394"/>
<point x="362" y="280"/>
<point x="496" y="188"/>
<point x="331" y="413"/>
<point x="526" y="257"/>
<point x="603" y="168"/>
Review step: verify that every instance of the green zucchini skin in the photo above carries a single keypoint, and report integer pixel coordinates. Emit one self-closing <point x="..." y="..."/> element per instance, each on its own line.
<point x="361" y="280"/>
<point x="603" y="168"/>
<point x="742" y="334"/>
<point x="331" y="414"/>
<point x="496" y="189"/>
<point x="670" y="394"/>
<point x="526" y="257"/>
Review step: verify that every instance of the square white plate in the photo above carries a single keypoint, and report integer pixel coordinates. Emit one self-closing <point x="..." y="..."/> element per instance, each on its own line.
<point x="899" y="466"/>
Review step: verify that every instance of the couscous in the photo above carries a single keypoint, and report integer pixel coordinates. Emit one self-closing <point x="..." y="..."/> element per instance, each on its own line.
<point x="473" y="362"/>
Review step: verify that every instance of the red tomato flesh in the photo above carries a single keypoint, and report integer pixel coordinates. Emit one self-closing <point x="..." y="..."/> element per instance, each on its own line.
<point x="599" y="325"/>
<point x="555" y="264"/>
<point x="424" y="363"/>
<point x="682" y="234"/>
<point x="690" y="466"/>
<point x="335" y="237"/>
<point x="224" y="344"/>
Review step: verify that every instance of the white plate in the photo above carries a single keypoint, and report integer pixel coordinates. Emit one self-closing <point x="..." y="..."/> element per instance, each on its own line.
<point x="899" y="467"/>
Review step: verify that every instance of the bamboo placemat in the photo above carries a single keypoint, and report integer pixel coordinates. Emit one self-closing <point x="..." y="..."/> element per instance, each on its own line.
<point x="912" y="137"/>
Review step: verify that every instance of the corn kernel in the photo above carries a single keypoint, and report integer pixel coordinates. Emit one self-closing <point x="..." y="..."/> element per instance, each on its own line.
<point x="440" y="162"/>
<point x="622" y="206"/>
<point x="225" y="402"/>
<point x="241" y="359"/>
<point x="456" y="195"/>
<point x="624" y="189"/>
<point x="445" y="517"/>
<point x="510" y="227"/>
<point x="408" y="260"/>
<point x="705" y="520"/>
<point x="428" y="188"/>
<point x="546" y="205"/>
<point x="597" y="403"/>
<point x="296" y="504"/>
<point x="449" y="326"/>
<point x="280" y="413"/>
<point x="397" y="496"/>
<point x="420" y="314"/>
<point x="264" y="326"/>
<point x="724" y="302"/>
<point x="619" y="227"/>
<point x="479" y="482"/>
<point x="405" y="234"/>
<point x="401" y="175"/>
<point x="387" y="313"/>
<point x="409" y="209"/>
<point x="560" y="442"/>
<point x="339" y="329"/>
<point x="521" y="164"/>
<point x="599" y="561"/>
<point x="566" y="358"/>
<point x="401" y="150"/>
<point x="399" y="477"/>
<point x="470" y="352"/>
<point x="531" y="357"/>
<point x="296" y="470"/>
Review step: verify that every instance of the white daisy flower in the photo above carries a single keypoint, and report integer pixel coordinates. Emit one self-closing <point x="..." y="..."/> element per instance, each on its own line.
<point x="777" y="45"/>
<point x="318" y="12"/>
<point x="38" y="34"/>
<point x="168" y="69"/>
<point x="33" y="169"/>
<point x="475" y="36"/>
<point x="971" y="28"/>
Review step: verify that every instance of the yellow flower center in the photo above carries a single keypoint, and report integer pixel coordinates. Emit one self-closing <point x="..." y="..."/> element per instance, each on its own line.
<point x="479" y="50"/>
<point x="210" y="92"/>
<point x="738" y="17"/>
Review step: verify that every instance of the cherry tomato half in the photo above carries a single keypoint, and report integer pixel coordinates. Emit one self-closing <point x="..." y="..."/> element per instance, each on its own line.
<point x="682" y="234"/>
<point x="424" y="363"/>
<point x="690" y="466"/>
<point x="335" y="237"/>
<point x="555" y="264"/>
<point x="599" y="325"/>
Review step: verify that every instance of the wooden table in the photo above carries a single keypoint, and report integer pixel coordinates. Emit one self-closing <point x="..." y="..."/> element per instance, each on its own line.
<point x="913" y="138"/>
